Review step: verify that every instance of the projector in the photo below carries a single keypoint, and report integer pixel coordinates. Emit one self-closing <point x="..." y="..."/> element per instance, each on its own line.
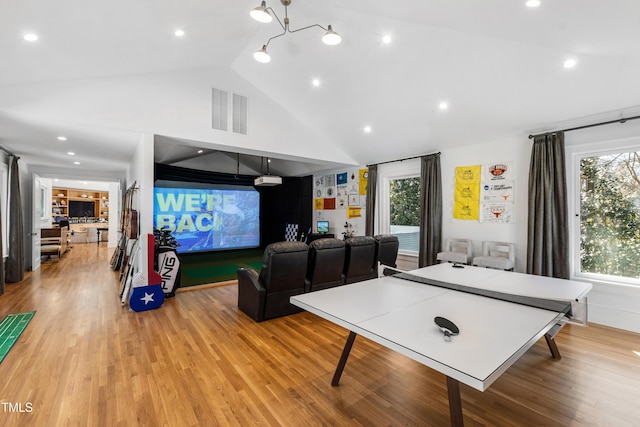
<point x="267" y="180"/>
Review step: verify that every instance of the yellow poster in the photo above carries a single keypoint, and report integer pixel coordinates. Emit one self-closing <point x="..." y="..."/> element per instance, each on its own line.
<point x="318" y="204"/>
<point x="468" y="174"/>
<point x="468" y="209"/>
<point x="466" y="197"/>
<point x="353" y="212"/>
<point x="467" y="192"/>
<point x="364" y="180"/>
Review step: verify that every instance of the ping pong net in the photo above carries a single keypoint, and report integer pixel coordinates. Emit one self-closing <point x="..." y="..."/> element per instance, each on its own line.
<point x="557" y="306"/>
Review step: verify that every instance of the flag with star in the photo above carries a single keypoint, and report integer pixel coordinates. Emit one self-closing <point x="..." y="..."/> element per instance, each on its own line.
<point x="146" y="297"/>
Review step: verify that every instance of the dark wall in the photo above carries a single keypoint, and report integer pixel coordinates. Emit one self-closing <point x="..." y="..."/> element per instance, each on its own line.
<point x="289" y="203"/>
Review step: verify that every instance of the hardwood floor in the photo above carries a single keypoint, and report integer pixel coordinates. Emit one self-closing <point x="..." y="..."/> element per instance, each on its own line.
<point x="86" y="361"/>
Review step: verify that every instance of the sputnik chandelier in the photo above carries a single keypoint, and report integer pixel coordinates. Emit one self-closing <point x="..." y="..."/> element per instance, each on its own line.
<point x="261" y="14"/>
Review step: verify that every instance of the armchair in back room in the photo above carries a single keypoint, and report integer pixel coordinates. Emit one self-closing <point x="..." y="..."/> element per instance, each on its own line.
<point x="499" y="255"/>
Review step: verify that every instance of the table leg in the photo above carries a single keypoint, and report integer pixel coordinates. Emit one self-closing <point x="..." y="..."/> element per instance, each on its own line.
<point x="343" y="358"/>
<point x="455" y="402"/>
<point x="553" y="347"/>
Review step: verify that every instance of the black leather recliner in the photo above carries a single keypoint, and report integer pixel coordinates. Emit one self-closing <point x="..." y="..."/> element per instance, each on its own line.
<point x="326" y="264"/>
<point x="387" y="249"/>
<point x="266" y="295"/>
<point x="360" y="260"/>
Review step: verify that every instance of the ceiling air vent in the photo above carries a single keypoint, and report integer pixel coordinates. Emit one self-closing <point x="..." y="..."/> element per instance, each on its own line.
<point x="239" y="114"/>
<point x="219" y="109"/>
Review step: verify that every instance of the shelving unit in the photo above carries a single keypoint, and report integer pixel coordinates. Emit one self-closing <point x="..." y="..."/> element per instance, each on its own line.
<point x="62" y="196"/>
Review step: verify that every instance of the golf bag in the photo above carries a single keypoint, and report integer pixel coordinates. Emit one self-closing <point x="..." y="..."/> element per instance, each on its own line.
<point x="167" y="261"/>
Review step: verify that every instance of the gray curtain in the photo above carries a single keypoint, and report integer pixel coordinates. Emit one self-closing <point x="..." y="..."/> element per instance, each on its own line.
<point x="15" y="261"/>
<point x="430" y="209"/>
<point x="548" y="227"/>
<point x="372" y="185"/>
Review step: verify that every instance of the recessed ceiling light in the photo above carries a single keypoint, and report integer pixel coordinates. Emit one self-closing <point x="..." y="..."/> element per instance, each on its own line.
<point x="71" y="153"/>
<point x="30" y="37"/>
<point x="386" y="39"/>
<point x="76" y="163"/>
<point x="62" y="138"/>
<point x="533" y="3"/>
<point x="315" y="82"/>
<point x="367" y="129"/>
<point x="443" y="105"/>
<point x="200" y="151"/>
<point x="178" y="33"/>
<point x="570" y="63"/>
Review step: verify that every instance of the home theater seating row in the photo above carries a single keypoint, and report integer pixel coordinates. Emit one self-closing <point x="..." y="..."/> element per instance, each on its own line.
<point x="293" y="268"/>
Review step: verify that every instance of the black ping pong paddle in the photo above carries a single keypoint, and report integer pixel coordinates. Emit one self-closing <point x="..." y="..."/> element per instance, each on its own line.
<point x="447" y="327"/>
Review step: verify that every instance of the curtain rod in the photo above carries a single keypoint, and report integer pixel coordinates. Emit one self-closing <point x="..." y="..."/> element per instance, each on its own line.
<point x="402" y="160"/>
<point x="623" y="120"/>
<point x="8" y="152"/>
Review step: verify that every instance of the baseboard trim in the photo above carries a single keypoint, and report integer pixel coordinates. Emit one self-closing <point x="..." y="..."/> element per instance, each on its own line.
<point x="207" y="286"/>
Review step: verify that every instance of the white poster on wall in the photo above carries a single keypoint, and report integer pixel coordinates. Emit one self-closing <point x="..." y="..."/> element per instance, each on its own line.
<point x="498" y="192"/>
<point x="498" y="213"/>
<point x="502" y="171"/>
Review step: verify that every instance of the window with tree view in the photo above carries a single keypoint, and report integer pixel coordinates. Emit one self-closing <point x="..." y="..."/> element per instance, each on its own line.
<point x="610" y="215"/>
<point x="404" y="212"/>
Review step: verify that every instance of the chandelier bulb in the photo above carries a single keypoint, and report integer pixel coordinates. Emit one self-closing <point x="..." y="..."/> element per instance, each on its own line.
<point x="331" y="37"/>
<point x="262" y="55"/>
<point x="260" y="13"/>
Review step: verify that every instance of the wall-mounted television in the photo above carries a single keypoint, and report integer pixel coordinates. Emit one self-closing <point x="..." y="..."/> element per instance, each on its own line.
<point x="322" y="227"/>
<point x="80" y="208"/>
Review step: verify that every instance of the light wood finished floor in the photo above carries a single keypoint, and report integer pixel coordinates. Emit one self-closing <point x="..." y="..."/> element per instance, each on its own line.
<point x="197" y="361"/>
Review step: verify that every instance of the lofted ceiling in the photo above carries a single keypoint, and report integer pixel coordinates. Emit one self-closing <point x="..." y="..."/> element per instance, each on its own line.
<point x="104" y="74"/>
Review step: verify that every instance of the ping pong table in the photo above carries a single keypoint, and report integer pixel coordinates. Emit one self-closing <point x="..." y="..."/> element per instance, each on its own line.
<point x="494" y="332"/>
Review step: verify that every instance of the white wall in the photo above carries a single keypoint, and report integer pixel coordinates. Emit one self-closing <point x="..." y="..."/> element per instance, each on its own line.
<point x="114" y="209"/>
<point x="141" y="172"/>
<point x="609" y="304"/>
<point x="517" y="152"/>
<point x="338" y="217"/>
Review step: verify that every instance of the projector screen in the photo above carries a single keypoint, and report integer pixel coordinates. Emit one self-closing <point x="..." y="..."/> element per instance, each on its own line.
<point x="208" y="217"/>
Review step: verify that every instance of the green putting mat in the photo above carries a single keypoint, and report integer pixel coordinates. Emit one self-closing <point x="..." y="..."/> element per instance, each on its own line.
<point x="215" y="267"/>
<point x="11" y="328"/>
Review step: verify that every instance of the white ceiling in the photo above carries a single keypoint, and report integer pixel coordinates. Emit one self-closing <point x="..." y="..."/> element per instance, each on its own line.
<point x="102" y="74"/>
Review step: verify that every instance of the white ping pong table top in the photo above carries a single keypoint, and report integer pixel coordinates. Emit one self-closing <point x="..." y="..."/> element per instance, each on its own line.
<point x="399" y="314"/>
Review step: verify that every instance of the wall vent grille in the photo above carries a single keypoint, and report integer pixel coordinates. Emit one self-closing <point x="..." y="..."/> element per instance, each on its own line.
<point x="239" y="114"/>
<point x="219" y="109"/>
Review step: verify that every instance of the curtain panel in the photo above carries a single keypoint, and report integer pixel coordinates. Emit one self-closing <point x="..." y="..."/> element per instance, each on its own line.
<point x="2" y="220"/>
<point x="548" y="227"/>
<point x="15" y="262"/>
<point x="372" y="188"/>
<point x="430" y="209"/>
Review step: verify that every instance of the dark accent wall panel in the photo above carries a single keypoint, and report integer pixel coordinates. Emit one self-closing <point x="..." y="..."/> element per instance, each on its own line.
<point x="289" y="203"/>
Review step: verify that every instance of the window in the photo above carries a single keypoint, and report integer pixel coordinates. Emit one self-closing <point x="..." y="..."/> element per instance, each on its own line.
<point x="398" y="203"/>
<point x="610" y="215"/>
<point x="404" y="212"/>
<point x="604" y="208"/>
